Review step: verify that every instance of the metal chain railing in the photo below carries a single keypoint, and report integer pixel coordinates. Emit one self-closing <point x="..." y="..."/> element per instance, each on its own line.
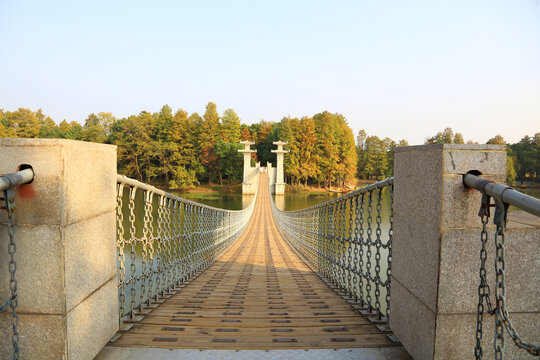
<point x="8" y="183"/>
<point x="345" y="246"/>
<point x="169" y="239"/>
<point x="503" y="197"/>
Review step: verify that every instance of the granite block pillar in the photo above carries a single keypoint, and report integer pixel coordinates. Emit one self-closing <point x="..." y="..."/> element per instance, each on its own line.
<point x="66" y="249"/>
<point x="250" y="182"/>
<point x="279" y="184"/>
<point x="435" y="254"/>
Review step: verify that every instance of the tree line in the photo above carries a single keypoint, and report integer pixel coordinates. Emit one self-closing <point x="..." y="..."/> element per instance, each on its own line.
<point x="180" y="150"/>
<point x="376" y="156"/>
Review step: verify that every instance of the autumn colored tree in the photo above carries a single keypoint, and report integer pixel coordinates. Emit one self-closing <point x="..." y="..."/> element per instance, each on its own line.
<point x="245" y="134"/>
<point x="23" y="122"/>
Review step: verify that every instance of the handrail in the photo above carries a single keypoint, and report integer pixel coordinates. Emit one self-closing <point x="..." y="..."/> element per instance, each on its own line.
<point x="10" y="181"/>
<point x="505" y="193"/>
<point x="160" y="251"/>
<point x="122" y="179"/>
<point x="342" y="240"/>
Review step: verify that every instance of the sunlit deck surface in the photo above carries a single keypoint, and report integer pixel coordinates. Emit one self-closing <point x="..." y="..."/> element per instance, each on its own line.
<point x="258" y="295"/>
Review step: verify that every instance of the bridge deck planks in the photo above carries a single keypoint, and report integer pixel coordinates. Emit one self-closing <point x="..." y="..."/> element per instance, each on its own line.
<point x="258" y="295"/>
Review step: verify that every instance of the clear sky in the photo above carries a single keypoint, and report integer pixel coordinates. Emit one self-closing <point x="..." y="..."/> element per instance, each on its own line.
<point x="402" y="69"/>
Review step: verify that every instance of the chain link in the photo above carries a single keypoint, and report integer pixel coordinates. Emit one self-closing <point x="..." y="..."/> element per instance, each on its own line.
<point x="169" y="240"/>
<point x="9" y="199"/>
<point x="352" y="261"/>
<point x="502" y="319"/>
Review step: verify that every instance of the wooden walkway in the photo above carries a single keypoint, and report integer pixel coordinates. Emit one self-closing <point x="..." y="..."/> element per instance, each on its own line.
<point x="258" y="295"/>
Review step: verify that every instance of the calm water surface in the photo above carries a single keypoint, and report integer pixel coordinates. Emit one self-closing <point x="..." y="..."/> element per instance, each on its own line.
<point x="287" y="202"/>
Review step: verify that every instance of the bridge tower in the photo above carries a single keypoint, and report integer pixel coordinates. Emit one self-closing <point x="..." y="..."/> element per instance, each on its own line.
<point x="249" y="186"/>
<point x="279" y="186"/>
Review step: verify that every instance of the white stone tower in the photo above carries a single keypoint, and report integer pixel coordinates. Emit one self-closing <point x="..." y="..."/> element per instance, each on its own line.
<point x="249" y="186"/>
<point x="279" y="187"/>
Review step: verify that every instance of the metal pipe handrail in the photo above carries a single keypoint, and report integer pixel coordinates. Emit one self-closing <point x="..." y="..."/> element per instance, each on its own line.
<point x="9" y="181"/>
<point x="167" y="241"/>
<point x="122" y="179"/>
<point x="342" y="240"/>
<point x="377" y="185"/>
<point x="504" y="193"/>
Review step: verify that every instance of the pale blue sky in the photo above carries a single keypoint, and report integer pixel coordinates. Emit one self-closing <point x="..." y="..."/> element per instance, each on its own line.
<point x="403" y="69"/>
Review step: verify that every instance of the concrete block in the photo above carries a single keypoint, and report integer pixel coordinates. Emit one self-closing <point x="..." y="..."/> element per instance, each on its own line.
<point x="490" y="161"/>
<point x="412" y="322"/>
<point x="523" y="270"/>
<point x="455" y="337"/>
<point x="93" y="322"/>
<point x="40" y="269"/>
<point x="90" y="256"/>
<point x="413" y="170"/>
<point x="41" y="336"/>
<point x="434" y="147"/>
<point x="43" y="154"/>
<point x="460" y="204"/>
<point x="415" y="258"/>
<point x="65" y="238"/>
<point x="460" y="263"/>
<point x="45" y="207"/>
<point x="88" y="192"/>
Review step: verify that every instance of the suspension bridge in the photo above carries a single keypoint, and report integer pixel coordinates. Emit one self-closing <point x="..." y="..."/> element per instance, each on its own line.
<point x="102" y="266"/>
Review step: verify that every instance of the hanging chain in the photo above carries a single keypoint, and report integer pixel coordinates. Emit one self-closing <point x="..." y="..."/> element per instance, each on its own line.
<point x="389" y="245"/>
<point x="169" y="240"/>
<point x="483" y="288"/>
<point x="502" y="319"/>
<point x="349" y="248"/>
<point x="120" y="244"/>
<point x="378" y="243"/>
<point x="9" y="199"/>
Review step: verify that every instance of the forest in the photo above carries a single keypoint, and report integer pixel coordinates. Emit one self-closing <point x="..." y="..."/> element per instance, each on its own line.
<point x="181" y="150"/>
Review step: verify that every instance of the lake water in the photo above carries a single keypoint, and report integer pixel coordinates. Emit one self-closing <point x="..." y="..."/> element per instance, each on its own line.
<point x="287" y="202"/>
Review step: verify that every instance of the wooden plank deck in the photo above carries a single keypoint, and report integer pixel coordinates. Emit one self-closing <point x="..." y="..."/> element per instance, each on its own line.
<point x="258" y="295"/>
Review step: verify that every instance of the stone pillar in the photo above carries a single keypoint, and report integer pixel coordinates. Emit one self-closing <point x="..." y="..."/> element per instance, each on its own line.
<point x="279" y="187"/>
<point x="248" y="186"/>
<point x="435" y="255"/>
<point x="66" y="249"/>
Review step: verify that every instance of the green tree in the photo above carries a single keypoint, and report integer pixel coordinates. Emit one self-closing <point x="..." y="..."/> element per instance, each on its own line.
<point x="527" y="154"/>
<point x="458" y="139"/>
<point x="230" y="126"/>
<point x="72" y="130"/>
<point x="327" y="151"/>
<point x="230" y="161"/>
<point x="497" y="140"/>
<point x="263" y="143"/>
<point x="347" y="151"/>
<point x="97" y="127"/>
<point x="136" y="147"/>
<point x="208" y="136"/>
<point x="24" y="122"/>
<point x="376" y="160"/>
